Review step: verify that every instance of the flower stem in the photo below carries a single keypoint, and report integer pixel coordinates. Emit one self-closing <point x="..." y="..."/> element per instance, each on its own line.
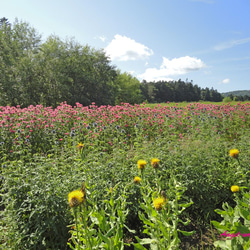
<point x="77" y="232"/>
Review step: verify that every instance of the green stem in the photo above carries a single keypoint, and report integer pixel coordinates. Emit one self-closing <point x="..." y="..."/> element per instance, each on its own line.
<point x="157" y="181"/>
<point x="238" y="161"/>
<point x="244" y="175"/>
<point x="77" y="232"/>
<point x="141" y="173"/>
<point x="175" y="222"/>
<point x="87" y="238"/>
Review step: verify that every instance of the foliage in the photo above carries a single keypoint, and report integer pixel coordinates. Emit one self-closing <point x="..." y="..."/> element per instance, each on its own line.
<point x="227" y="99"/>
<point x="235" y="224"/>
<point x="128" y="89"/>
<point x="52" y="71"/>
<point x="35" y="213"/>
<point x="161" y="225"/>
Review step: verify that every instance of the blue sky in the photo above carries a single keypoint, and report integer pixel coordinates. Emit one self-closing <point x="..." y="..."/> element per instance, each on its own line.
<point x="206" y="41"/>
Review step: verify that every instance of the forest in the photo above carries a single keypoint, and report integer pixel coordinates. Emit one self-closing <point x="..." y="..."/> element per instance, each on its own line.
<point x="36" y="71"/>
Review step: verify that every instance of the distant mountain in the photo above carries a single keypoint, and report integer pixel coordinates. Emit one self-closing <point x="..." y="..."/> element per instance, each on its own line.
<point x="237" y="93"/>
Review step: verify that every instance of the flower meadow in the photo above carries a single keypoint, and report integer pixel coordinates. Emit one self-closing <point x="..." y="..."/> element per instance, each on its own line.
<point x="124" y="176"/>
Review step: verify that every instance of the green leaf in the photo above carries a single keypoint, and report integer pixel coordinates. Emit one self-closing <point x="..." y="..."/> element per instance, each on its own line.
<point x="245" y="214"/>
<point x="138" y="246"/>
<point x="221" y="244"/>
<point x="145" y="241"/>
<point x="219" y="211"/>
<point x="186" y="233"/>
<point x="130" y="230"/>
<point x="219" y="226"/>
<point x="111" y="202"/>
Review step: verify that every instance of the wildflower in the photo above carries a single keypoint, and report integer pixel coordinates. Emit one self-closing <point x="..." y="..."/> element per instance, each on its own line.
<point x="137" y="180"/>
<point x="76" y="198"/>
<point x="159" y="203"/>
<point x="155" y="162"/>
<point x="234" y="153"/>
<point x="141" y="164"/>
<point x="235" y="188"/>
<point x="80" y="146"/>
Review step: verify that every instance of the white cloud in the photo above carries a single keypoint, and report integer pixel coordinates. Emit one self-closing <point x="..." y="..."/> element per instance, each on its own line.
<point x="123" y="48"/>
<point x="102" y="38"/>
<point x="174" y="67"/>
<point x="231" y="44"/>
<point x="225" y="81"/>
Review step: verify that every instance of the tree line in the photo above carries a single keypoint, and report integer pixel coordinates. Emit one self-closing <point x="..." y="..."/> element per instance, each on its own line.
<point x="177" y="91"/>
<point x="238" y="95"/>
<point x="49" y="72"/>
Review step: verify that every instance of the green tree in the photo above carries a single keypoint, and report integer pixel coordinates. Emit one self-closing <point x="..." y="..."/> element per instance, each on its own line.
<point x="74" y="73"/>
<point x="148" y="91"/>
<point x="128" y="89"/>
<point x="4" y="21"/>
<point x="18" y="42"/>
<point x="32" y="72"/>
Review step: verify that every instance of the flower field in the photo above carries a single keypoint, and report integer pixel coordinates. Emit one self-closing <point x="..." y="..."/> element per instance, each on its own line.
<point x="124" y="177"/>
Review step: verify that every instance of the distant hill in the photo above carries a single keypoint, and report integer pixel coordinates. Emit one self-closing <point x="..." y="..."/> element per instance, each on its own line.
<point x="236" y="93"/>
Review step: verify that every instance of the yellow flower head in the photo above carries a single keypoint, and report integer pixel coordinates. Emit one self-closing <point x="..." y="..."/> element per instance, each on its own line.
<point x="141" y="164"/>
<point x="137" y="180"/>
<point x="159" y="203"/>
<point x="235" y="188"/>
<point x="75" y="198"/>
<point x="80" y="146"/>
<point x="234" y="153"/>
<point x="155" y="162"/>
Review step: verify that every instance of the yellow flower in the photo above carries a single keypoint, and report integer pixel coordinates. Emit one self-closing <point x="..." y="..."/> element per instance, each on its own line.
<point x="76" y="197"/>
<point x="159" y="203"/>
<point x="137" y="180"/>
<point x="235" y="188"/>
<point x="80" y="146"/>
<point x="234" y="153"/>
<point x="155" y="162"/>
<point x="141" y="164"/>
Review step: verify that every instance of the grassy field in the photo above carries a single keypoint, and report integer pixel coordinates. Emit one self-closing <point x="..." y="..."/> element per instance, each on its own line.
<point x="150" y="176"/>
<point x="184" y="104"/>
